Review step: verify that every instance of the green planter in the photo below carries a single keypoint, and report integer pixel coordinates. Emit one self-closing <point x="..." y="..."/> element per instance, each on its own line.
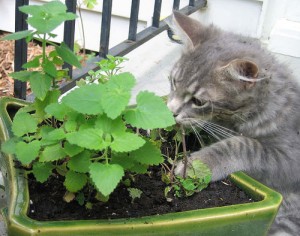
<point x="245" y="219"/>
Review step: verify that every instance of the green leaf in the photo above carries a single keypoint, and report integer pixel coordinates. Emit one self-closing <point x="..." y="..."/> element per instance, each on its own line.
<point x="199" y="170"/>
<point x="71" y="125"/>
<point x="17" y="35"/>
<point x="134" y="193"/>
<point x="33" y="10"/>
<point x="148" y="154"/>
<point x="24" y="123"/>
<point x="88" y="138"/>
<point x="33" y="63"/>
<point x="55" y="135"/>
<point x="67" y="55"/>
<point x="23" y="76"/>
<point x="42" y="171"/>
<point x="45" y="18"/>
<point x="151" y="112"/>
<point x="117" y="94"/>
<point x="123" y="160"/>
<point x="40" y="85"/>
<point x="27" y="152"/>
<point x="75" y="181"/>
<point x="40" y="105"/>
<point x="52" y="153"/>
<point x="81" y="162"/>
<point x="106" y="177"/>
<point x="9" y="146"/>
<point x="55" y="7"/>
<point x="72" y="150"/>
<point x="58" y="110"/>
<point x="86" y="99"/>
<point x="110" y="126"/>
<point x="126" y="142"/>
<point x="49" y="68"/>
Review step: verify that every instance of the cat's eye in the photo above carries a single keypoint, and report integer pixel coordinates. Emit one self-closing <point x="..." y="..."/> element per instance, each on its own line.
<point x="198" y="102"/>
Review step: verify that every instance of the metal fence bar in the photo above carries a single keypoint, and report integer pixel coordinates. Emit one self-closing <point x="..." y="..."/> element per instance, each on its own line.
<point x="20" y="48"/>
<point x="176" y="4"/>
<point x="105" y="27"/>
<point x="119" y="50"/>
<point x="128" y="46"/>
<point x="134" y="17"/>
<point x="69" y="31"/>
<point x="156" y="13"/>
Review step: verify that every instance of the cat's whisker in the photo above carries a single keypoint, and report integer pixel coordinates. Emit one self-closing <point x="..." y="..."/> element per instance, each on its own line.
<point x="211" y="127"/>
<point x="207" y="130"/>
<point x="198" y="136"/>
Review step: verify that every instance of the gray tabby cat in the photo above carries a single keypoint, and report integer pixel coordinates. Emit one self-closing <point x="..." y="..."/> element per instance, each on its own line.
<point x="234" y="89"/>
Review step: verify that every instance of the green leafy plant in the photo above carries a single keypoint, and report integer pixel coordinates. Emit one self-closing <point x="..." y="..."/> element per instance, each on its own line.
<point x="89" y="142"/>
<point x="194" y="178"/>
<point x="83" y="137"/>
<point x="44" y="71"/>
<point x="109" y="67"/>
<point x="89" y="136"/>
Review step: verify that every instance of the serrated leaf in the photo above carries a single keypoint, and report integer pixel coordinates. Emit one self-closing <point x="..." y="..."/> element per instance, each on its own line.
<point x="199" y="170"/>
<point x="67" y="55"/>
<point x="40" y="85"/>
<point x="109" y="125"/>
<point x="23" y="76"/>
<point x="134" y="193"/>
<point x="126" y="142"/>
<point x="55" y="135"/>
<point x="52" y="153"/>
<point x="40" y="105"/>
<point x="33" y="63"/>
<point x="75" y="181"/>
<point x="42" y="171"/>
<point x="123" y="160"/>
<point x="117" y="94"/>
<point x="9" y="146"/>
<point x="24" y="123"/>
<point x="27" y="152"/>
<point x="106" y="177"/>
<point x="72" y="150"/>
<point x="148" y="154"/>
<point x="86" y="99"/>
<point x="81" y="162"/>
<point x="49" y="68"/>
<point x="58" y="110"/>
<point x="17" y="35"/>
<point x="151" y="112"/>
<point x="88" y="138"/>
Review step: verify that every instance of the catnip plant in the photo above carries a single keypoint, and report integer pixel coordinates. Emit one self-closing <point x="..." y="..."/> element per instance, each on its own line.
<point x="90" y="136"/>
<point x="84" y="136"/>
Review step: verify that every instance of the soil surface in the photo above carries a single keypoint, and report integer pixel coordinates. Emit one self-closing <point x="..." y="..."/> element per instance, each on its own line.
<point x="47" y="200"/>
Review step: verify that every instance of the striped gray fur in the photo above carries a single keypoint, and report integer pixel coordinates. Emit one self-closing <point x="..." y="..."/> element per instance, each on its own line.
<point x="233" y="88"/>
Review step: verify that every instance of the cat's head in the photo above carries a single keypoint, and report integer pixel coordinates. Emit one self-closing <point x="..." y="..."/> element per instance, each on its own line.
<point x="217" y="75"/>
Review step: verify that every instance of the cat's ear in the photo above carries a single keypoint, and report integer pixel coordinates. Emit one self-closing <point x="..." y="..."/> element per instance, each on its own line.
<point x="241" y="69"/>
<point x="187" y="29"/>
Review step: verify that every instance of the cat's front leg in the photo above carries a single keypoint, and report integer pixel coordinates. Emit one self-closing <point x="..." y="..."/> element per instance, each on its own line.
<point x="227" y="156"/>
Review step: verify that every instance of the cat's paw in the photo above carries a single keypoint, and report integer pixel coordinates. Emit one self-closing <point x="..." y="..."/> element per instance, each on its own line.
<point x="179" y="170"/>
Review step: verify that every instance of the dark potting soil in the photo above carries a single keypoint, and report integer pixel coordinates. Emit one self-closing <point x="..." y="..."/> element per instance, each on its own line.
<point x="47" y="200"/>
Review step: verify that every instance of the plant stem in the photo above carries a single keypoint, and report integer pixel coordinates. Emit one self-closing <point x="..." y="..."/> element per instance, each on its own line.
<point x="44" y="41"/>
<point x="184" y="152"/>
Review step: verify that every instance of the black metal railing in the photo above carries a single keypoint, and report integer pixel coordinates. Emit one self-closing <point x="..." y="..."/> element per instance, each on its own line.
<point x="133" y="41"/>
